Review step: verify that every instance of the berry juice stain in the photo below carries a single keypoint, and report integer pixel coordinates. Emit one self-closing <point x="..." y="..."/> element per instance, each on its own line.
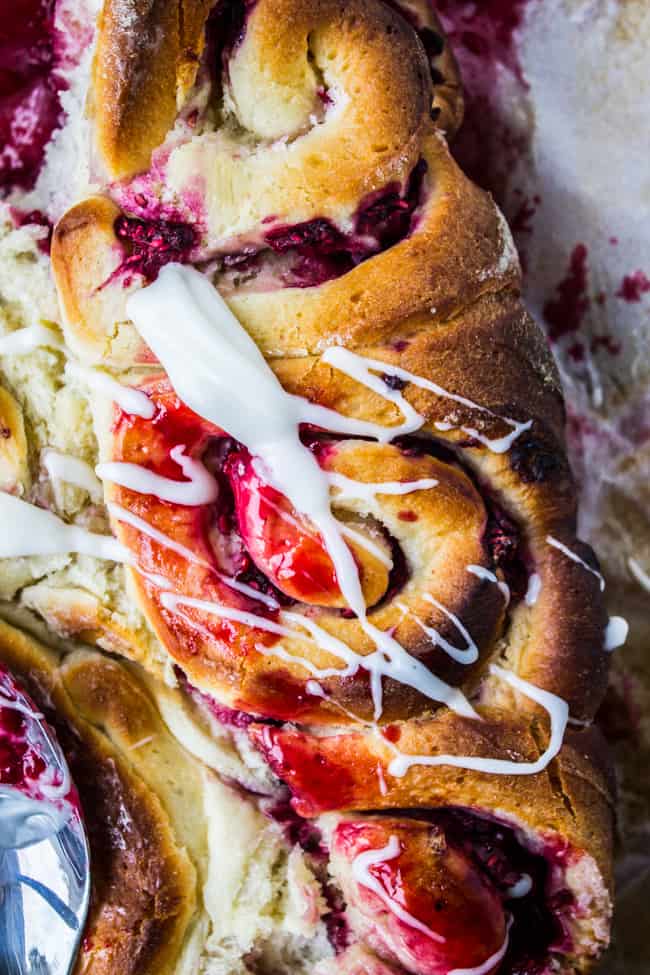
<point x="633" y="287"/>
<point x="483" y="37"/>
<point x="565" y="311"/>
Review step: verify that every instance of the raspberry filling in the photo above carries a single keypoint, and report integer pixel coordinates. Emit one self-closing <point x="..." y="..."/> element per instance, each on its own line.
<point x="477" y="857"/>
<point x="302" y="255"/>
<point x="151" y="244"/>
<point x="21" y="763"/>
<point x="27" y="759"/>
<point x="316" y="251"/>
<point x="30" y="88"/>
<point x="541" y="915"/>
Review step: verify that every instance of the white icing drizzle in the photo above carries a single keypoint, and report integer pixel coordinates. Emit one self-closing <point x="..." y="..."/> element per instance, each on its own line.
<point x="639" y="574"/>
<point x="155" y="578"/>
<point x="534" y="589"/>
<point x="122" y="514"/>
<point x="132" y="401"/>
<point x="361" y="369"/>
<point x="490" y="963"/>
<point x="349" y="488"/>
<point x="27" y="339"/>
<point x="558" y="711"/>
<point x="362" y="540"/>
<point x="171" y="601"/>
<point x="249" y="591"/>
<point x="575" y="558"/>
<point x="523" y="887"/>
<point x="72" y="470"/>
<point x="463" y="655"/>
<point x="616" y="633"/>
<point x="361" y="872"/>
<point x="368" y="544"/>
<point x="482" y="573"/>
<point x="28" y="530"/>
<point x="214" y="367"/>
<point x="199" y="488"/>
<point x="406" y="669"/>
<point x="218" y="371"/>
<point x="316" y="690"/>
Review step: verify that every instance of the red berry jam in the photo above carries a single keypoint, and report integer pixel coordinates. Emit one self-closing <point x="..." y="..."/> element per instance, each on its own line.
<point x="319" y="251"/>
<point x="153" y="243"/>
<point x="26" y="761"/>
<point x="30" y="107"/>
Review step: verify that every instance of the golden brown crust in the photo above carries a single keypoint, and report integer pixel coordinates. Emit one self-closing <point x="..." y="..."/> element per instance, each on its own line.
<point x="147" y="54"/>
<point x="144" y="883"/>
<point x="14" y="466"/>
<point x="458" y="253"/>
<point x="85" y="255"/>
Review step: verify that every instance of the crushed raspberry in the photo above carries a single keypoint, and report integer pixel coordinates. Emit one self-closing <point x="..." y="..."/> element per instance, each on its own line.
<point x="633" y="286"/>
<point x="296" y="829"/>
<point x="504" y="543"/>
<point x="538" y="917"/>
<point x="230" y="717"/>
<point x="307" y="835"/>
<point x="336" y="925"/>
<point x="225" y="30"/>
<point x="319" y="234"/>
<point x="502" y="538"/>
<point x="23" y="763"/>
<point x="154" y="243"/>
<point x="322" y="252"/>
<point x="386" y="216"/>
<point x="30" y="108"/>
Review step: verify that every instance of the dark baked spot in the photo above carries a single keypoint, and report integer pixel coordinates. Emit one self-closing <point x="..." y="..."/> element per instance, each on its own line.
<point x="534" y="461"/>
<point x="394" y="382"/>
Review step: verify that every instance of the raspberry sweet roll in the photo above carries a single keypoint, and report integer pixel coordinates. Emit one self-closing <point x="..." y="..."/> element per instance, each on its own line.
<point x="344" y="487"/>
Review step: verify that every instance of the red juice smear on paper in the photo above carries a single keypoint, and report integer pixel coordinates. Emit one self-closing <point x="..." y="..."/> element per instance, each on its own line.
<point x="565" y="311"/>
<point x="483" y="37"/>
<point x="633" y="286"/>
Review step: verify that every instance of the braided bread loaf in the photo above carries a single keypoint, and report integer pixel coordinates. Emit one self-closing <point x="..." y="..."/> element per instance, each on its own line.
<point x="407" y="662"/>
